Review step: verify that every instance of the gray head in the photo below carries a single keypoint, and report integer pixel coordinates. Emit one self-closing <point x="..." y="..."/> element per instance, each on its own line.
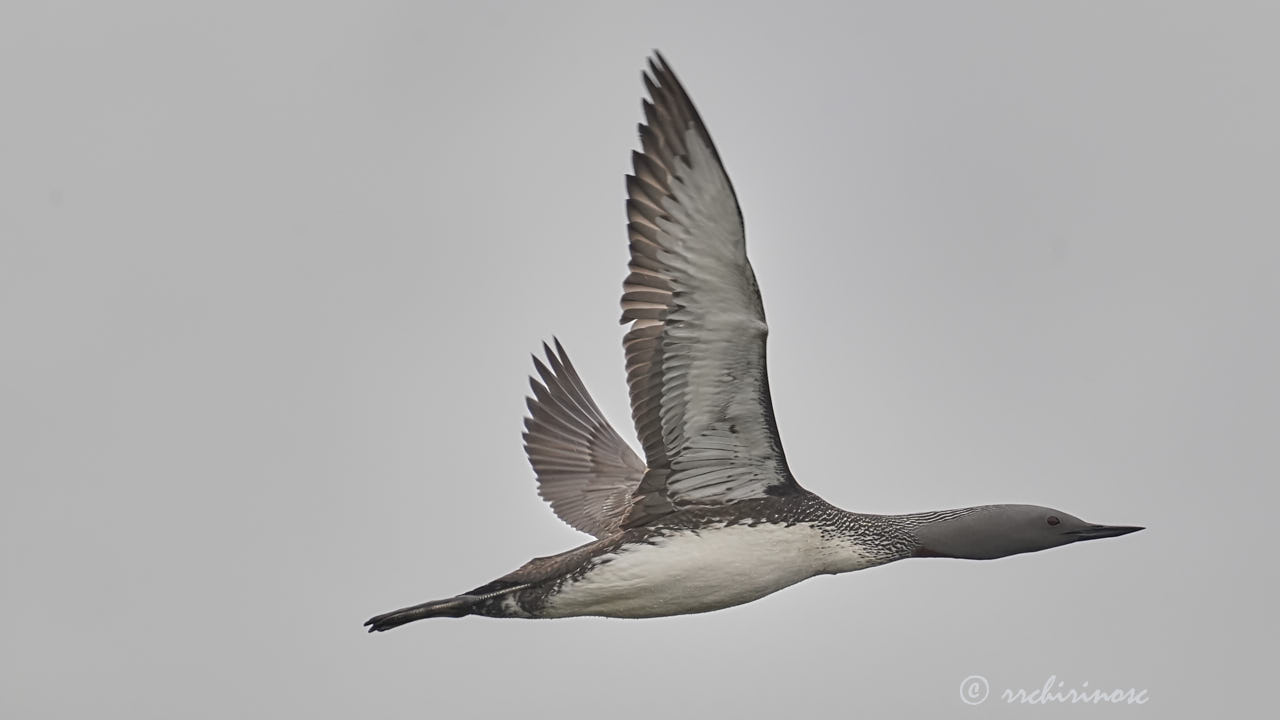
<point x="995" y="531"/>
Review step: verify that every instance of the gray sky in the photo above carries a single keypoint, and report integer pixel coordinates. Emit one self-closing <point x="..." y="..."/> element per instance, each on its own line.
<point x="270" y="275"/>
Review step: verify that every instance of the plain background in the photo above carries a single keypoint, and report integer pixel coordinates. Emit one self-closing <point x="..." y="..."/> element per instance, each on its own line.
<point x="270" y="274"/>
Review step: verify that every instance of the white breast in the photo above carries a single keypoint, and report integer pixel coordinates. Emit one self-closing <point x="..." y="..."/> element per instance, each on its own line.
<point x="691" y="572"/>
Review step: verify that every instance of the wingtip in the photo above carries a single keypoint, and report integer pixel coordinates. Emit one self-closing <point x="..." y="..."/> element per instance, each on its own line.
<point x="651" y="81"/>
<point x="543" y="371"/>
<point x="555" y="354"/>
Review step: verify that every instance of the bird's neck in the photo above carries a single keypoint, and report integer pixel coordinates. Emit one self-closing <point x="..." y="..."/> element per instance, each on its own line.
<point x="898" y="537"/>
<point x="859" y="540"/>
<point x="936" y="534"/>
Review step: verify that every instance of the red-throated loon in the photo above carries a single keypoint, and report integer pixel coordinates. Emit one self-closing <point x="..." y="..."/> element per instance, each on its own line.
<point x="712" y="517"/>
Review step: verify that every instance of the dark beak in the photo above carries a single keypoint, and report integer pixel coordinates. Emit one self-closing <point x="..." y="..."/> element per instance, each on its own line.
<point x="1095" y="532"/>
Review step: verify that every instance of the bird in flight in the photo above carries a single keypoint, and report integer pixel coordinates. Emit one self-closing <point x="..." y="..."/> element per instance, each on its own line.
<point x="712" y="516"/>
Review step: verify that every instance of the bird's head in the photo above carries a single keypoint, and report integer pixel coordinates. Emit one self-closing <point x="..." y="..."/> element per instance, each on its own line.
<point x="996" y="531"/>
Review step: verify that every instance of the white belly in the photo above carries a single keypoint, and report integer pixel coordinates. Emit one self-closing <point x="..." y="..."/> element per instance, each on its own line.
<point x="683" y="573"/>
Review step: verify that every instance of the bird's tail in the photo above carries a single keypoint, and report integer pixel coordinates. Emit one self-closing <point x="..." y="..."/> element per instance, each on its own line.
<point x="471" y="603"/>
<point x="451" y="607"/>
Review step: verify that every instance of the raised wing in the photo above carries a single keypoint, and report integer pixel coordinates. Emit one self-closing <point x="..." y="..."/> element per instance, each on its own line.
<point x="696" y="347"/>
<point x="585" y="470"/>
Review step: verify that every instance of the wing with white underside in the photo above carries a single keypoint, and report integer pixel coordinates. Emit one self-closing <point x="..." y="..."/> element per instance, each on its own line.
<point x="696" y="347"/>
<point x="585" y="470"/>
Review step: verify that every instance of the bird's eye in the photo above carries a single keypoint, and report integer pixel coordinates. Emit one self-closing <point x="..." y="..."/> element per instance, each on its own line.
<point x="1053" y="520"/>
